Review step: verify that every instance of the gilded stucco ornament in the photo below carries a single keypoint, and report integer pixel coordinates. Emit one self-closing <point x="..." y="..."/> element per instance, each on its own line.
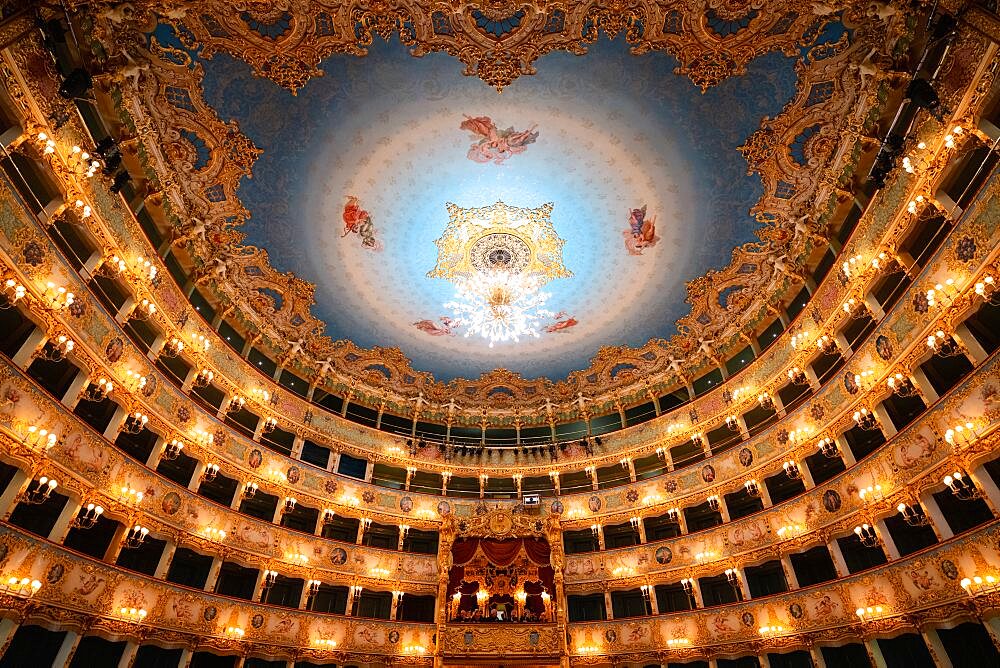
<point x="204" y="205"/>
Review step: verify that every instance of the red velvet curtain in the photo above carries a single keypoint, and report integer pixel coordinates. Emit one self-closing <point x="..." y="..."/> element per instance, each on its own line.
<point x="501" y="552"/>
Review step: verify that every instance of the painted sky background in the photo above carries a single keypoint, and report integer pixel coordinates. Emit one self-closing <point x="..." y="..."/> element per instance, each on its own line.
<point x="616" y="131"/>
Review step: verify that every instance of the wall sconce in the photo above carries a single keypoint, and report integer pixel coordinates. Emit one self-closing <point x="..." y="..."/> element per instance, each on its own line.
<point x="329" y="517"/>
<point x="203" y="438"/>
<point x="136" y="381"/>
<point x="674" y="514"/>
<point x="826" y="345"/>
<point x="201" y="341"/>
<point x="204" y="377"/>
<point x="732" y="423"/>
<point x="789" y="531"/>
<point x="869" y="613"/>
<point x="57" y="297"/>
<point x="98" y="390"/>
<point x="645" y="589"/>
<point x="986" y="289"/>
<point x="270" y="424"/>
<point x="212" y="533"/>
<point x="297" y="558"/>
<point x="901" y="386"/>
<point x="962" y="487"/>
<point x="173" y="347"/>
<point x="328" y="644"/>
<point x="22" y="587"/>
<point x="312" y="588"/>
<point x="852" y="266"/>
<point x="978" y="586"/>
<point x="40" y="437"/>
<point x="698" y="439"/>
<point x="687" y="584"/>
<point x="13" y="292"/>
<point x="135" y="537"/>
<point x="56" y="350"/>
<point x="792" y="469"/>
<point x="943" y="345"/>
<point x="414" y="649"/>
<point x="713" y="502"/>
<point x="871" y="493"/>
<point x="766" y="401"/>
<point x="799" y="340"/>
<point x="268" y="578"/>
<point x="365" y="523"/>
<point x="796" y="435"/>
<point x="132" y="614"/>
<point x="249" y="490"/>
<point x="404" y="529"/>
<point x="772" y="630"/>
<point x="913" y="515"/>
<point x="590" y="471"/>
<point x="624" y="462"/>
<point x="129" y="495"/>
<point x="236" y="404"/>
<point x="235" y="632"/>
<point x="211" y="470"/>
<point x="962" y="433"/>
<point x="143" y="311"/>
<point x="290" y="502"/>
<point x="678" y="642"/>
<point x="595" y="529"/>
<point x="88" y="516"/>
<point x="172" y="450"/>
<point x="144" y="268"/>
<point x="797" y="376"/>
<point x="702" y="557"/>
<point x="113" y="266"/>
<point x="553" y="476"/>
<point x="40" y="490"/>
<point x="134" y="423"/>
<point x="828" y="447"/>
<point x="635" y="521"/>
<point x="865" y="419"/>
<point x="866" y="534"/>
<point x="751" y="487"/>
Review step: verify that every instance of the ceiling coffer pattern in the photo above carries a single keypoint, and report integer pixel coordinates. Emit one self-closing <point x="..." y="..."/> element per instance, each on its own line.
<point x="285" y="41"/>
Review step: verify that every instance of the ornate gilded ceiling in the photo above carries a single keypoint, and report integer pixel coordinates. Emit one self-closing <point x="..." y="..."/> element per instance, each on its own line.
<point x="647" y="172"/>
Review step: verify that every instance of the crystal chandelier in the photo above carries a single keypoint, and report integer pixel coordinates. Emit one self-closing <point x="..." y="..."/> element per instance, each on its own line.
<point x="500" y="306"/>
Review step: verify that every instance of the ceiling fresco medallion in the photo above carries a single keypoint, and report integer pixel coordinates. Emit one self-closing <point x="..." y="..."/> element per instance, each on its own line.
<point x="499" y="257"/>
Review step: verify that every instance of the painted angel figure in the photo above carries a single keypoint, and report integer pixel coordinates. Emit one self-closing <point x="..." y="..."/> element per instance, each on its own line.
<point x="563" y="321"/>
<point x="446" y="328"/>
<point x="359" y="221"/>
<point x="495" y="145"/>
<point x="641" y="232"/>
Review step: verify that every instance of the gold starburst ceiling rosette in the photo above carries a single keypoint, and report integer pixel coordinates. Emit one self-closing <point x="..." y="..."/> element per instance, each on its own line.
<point x="516" y="240"/>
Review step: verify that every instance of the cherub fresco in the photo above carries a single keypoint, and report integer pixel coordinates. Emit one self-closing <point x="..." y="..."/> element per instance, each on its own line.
<point x="494" y="145"/>
<point x="641" y="232"/>
<point x="563" y="321"/>
<point x="359" y="221"/>
<point x="446" y="328"/>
